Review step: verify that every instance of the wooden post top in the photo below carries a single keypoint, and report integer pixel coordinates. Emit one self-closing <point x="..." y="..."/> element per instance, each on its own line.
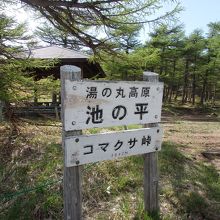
<point x="70" y="72"/>
<point x="150" y="76"/>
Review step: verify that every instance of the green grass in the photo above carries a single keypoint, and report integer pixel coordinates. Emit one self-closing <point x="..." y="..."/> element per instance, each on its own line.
<point x="192" y="187"/>
<point x="176" y="109"/>
<point x="31" y="180"/>
<point x="30" y="175"/>
<point x="33" y="188"/>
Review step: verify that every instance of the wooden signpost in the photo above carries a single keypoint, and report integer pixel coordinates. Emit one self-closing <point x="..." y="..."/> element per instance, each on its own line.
<point x="90" y="104"/>
<point x="151" y="177"/>
<point x="72" y="175"/>
<point x="108" y="146"/>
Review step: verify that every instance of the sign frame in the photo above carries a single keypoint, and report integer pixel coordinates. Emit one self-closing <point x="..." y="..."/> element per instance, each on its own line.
<point x="85" y="149"/>
<point x="97" y="104"/>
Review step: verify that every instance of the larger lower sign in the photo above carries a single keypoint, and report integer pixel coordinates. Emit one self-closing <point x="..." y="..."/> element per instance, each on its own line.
<point x="93" y="148"/>
<point x="91" y="104"/>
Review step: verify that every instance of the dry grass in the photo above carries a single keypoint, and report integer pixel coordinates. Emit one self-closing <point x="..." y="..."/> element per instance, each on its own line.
<point x="31" y="167"/>
<point x="195" y="138"/>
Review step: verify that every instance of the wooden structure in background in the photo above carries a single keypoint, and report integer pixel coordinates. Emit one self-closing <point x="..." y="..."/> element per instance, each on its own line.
<point x="65" y="57"/>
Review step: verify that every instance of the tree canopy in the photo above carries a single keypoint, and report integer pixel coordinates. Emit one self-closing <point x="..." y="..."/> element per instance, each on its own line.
<point x="16" y="73"/>
<point x="189" y="65"/>
<point x="92" y="22"/>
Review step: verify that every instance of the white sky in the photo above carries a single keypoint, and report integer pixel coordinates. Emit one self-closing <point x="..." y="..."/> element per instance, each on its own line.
<point x="21" y="14"/>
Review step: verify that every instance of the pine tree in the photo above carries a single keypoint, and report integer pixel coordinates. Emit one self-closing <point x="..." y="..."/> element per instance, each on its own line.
<point x="92" y="22"/>
<point x="169" y="42"/>
<point x="211" y="67"/>
<point x="192" y="54"/>
<point x="16" y="71"/>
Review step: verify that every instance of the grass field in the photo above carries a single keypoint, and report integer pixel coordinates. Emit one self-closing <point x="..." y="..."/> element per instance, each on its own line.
<point x="31" y="169"/>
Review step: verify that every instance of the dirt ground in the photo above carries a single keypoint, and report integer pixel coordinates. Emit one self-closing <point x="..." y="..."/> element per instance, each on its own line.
<point x="198" y="133"/>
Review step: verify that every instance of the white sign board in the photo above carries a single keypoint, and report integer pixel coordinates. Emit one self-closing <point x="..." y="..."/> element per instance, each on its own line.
<point x="90" y="104"/>
<point x="93" y="148"/>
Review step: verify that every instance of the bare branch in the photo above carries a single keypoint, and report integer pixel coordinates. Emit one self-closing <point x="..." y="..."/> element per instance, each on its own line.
<point x="70" y="4"/>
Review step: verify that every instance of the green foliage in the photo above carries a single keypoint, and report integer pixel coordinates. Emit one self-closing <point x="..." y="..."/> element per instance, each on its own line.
<point x="16" y="82"/>
<point x="166" y="53"/>
<point x="130" y="66"/>
<point x="43" y="88"/>
<point x="17" y="73"/>
<point x="98" y="24"/>
<point x="11" y="34"/>
<point x="188" y="65"/>
<point x="125" y="38"/>
<point x="57" y="36"/>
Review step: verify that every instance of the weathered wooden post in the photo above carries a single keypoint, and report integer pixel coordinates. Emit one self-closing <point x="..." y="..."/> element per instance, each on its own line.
<point x="72" y="175"/>
<point x="151" y="199"/>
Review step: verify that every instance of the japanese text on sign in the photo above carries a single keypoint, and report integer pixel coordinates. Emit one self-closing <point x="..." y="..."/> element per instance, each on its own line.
<point x="86" y="149"/>
<point x="100" y="104"/>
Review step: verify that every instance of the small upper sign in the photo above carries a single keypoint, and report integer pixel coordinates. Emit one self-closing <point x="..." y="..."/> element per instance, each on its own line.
<point x="90" y="104"/>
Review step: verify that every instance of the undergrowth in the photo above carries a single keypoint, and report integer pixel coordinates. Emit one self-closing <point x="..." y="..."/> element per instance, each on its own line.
<point x="31" y="170"/>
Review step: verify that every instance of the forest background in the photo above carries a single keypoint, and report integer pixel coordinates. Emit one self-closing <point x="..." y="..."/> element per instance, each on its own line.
<point x="187" y="64"/>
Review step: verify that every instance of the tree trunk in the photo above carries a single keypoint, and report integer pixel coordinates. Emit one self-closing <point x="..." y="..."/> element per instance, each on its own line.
<point x="172" y="76"/>
<point x="35" y="97"/>
<point x="194" y="83"/>
<point x="162" y="62"/>
<point x="54" y="99"/>
<point x="194" y="88"/>
<point x="1" y="110"/>
<point x="213" y="96"/>
<point x="164" y="93"/>
<point x="125" y="75"/>
<point x="185" y="82"/>
<point x="207" y="95"/>
<point x="186" y="95"/>
<point x="167" y="93"/>
<point x="205" y="80"/>
<point x="189" y="99"/>
<point x="171" y="93"/>
<point x="176" y="96"/>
